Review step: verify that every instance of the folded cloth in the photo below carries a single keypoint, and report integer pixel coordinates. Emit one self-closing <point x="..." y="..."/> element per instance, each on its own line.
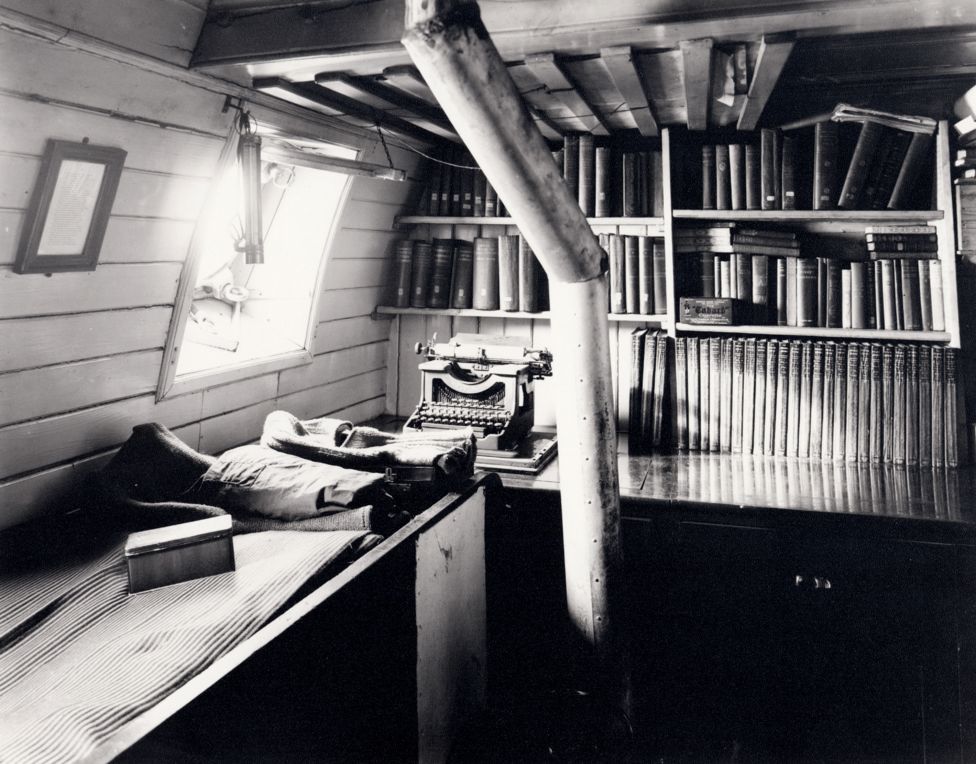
<point x="449" y="453"/>
<point x="270" y="483"/>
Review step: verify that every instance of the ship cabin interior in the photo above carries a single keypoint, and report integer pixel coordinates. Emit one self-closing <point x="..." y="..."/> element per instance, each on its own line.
<point x="453" y="381"/>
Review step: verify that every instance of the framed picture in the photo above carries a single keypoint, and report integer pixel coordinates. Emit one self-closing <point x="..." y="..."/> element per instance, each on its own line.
<point x="69" y="208"/>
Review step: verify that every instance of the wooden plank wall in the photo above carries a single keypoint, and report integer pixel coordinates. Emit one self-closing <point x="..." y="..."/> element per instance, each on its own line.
<point x="80" y="352"/>
<point x="405" y="384"/>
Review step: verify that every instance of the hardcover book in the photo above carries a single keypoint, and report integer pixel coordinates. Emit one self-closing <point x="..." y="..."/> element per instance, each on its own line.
<point x="508" y="273"/>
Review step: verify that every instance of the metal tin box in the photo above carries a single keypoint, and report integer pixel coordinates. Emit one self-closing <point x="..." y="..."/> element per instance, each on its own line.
<point x="175" y="553"/>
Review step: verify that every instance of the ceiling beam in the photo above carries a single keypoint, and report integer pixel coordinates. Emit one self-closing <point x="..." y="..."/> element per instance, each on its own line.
<point x="696" y="56"/>
<point x="408" y="79"/>
<point x="626" y="78"/>
<point x="773" y="54"/>
<point x="385" y="98"/>
<point x="546" y="68"/>
<point x="318" y="98"/>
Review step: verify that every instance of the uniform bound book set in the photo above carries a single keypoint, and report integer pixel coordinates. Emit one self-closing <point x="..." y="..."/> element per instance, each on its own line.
<point x="852" y="159"/>
<point x="638" y="281"/>
<point x="489" y="273"/>
<point x="892" y="279"/>
<point x="856" y="402"/>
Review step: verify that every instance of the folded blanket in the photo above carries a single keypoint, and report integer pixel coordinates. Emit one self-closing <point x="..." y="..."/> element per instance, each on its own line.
<point x="449" y="453"/>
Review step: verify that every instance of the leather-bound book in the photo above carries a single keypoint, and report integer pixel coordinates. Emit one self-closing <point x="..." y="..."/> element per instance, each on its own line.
<point x="528" y="270"/>
<point x="480" y="186"/>
<point x="447" y="178"/>
<point x="852" y="192"/>
<point x="924" y="406"/>
<point x="404" y="267"/>
<point x="485" y="286"/>
<point x="899" y="401"/>
<point x="708" y="177"/>
<point x="636" y="395"/>
<point x="645" y="275"/>
<point x="434" y="189"/>
<point x="660" y="277"/>
<point x="681" y="392"/>
<point x="737" y="176"/>
<point x="827" y="423"/>
<point x="767" y="170"/>
<point x="461" y="282"/>
<point x="632" y="286"/>
<point x="628" y="184"/>
<point x="826" y="141"/>
<point x="938" y="423"/>
<point x="602" y="204"/>
<point x="859" y="295"/>
<point x="586" y="187"/>
<point x="442" y="251"/>
<point x="420" y="274"/>
<point x="571" y="166"/>
<point x="951" y="439"/>
<point x="789" y="173"/>
<point x="508" y="272"/>
<point x="853" y="401"/>
<point x="723" y="179"/>
<point x="491" y="200"/>
<point x="911" y="168"/>
<point x="467" y="187"/>
<point x="752" y="175"/>
<point x="618" y="270"/>
<point x="656" y="174"/>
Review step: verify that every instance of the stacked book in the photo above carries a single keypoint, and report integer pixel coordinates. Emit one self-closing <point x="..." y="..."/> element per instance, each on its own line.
<point x="491" y="273"/>
<point x="608" y="182"/>
<point x="855" y="402"/>
<point x="647" y="399"/>
<point x="638" y="283"/>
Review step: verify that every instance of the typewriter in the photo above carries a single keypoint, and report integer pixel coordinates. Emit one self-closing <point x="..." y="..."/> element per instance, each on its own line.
<point x="485" y="383"/>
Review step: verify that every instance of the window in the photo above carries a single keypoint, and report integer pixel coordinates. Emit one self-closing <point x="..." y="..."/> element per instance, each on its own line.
<point x="233" y="316"/>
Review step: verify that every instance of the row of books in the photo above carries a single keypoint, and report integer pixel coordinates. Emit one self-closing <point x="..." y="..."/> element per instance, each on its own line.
<point x="638" y="280"/>
<point x="648" y="387"/>
<point x="609" y="182"/>
<point x="855" y="402"/>
<point x="457" y="187"/>
<point x="905" y="294"/>
<point x="491" y="273"/>
<point x="845" y="164"/>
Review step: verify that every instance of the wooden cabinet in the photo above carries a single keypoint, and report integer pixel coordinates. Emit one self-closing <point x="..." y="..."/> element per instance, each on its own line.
<point x="762" y="643"/>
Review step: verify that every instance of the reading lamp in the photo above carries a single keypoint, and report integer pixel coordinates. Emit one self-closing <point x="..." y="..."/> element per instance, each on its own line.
<point x="249" y="156"/>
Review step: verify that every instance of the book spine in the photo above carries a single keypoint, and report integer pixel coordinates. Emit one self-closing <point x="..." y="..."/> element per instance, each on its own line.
<point x="827" y="424"/>
<point x="753" y="192"/>
<point x="723" y="180"/>
<point x="859" y="296"/>
<point x="715" y="394"/>
<point x="791" y="291"/>
<point x="618" y="270"/>
<point x="738" y="374"/>
<point x="628" y="188"/>
<point x="767" y="167"/>
<point x="743" y="277"/>
<point x="704" y="386"/>
<point x="806" y="391"/>
<point x="660" y="277"/>
<point x="420" y="274"/>
<point x="508" y="273"/>
<point x="571" y="163"/>
<point x="899" y="305"/>
<point x="840" y="402"/>
<point x="528" y="285"/>
<point x="910" y="299"/>
<point x="890" y="169"/>
<point x="485" y="281"/>
<point x="782" y="315"/>
<point x="873" y="422"/>
<point x="694" y="404"/>
<point x="925" y="406"/>
<point x="938" y="424"/>
<point x="870" y="297"/>
<point x="681" y="382"/>
<point x="778" y="167"/>
<point x="788" y="182"/>
<point x="647" y="390"/>
<point x="806" y="292"/>
<point x="707" y="274"/>
<point x="911" y="168"/>
<point x="793" y="399"/>
<point x="631" y="275"/>
<point x="442" y="252"/>
<point x="748" y="395"/>
<point x="737" y="176"/>
<point x="889" y="318"/>
<point x="660" y="378"/>
<point x="725" y="277"/>
<point x="938" y="306"/>
<point x="816" y="401"/>
<point x="645" y="275"/>
<point x="760" y="282"/>
<point x="887" y="410"/>
<point x="822" y="267"/>
<point x="899" y="404"/>
<point x="708" y="177"/>
<point x="657" y="183"/>
<point x="725" y="403"/>
<point x="586" y="186"/>
<point x="491" y="200"/>
<point x="467" y="187"/>
<point x="852" y="191"/>
<point x="846" y="291"/>
<point x="853" y="400"/>
<point x="825" y="147"/>
<point x="951" y="440"/>
<point x="461" y="281"/>
<point x="434" y="189"/>
<point x="602" y="205"/>
<point x="873" y="178"/>
<point x="404" y="267"/>
<point x="636" y="376"/>
<point x="759" y="399"/>
<point x="770" y="406"/>
<point x="480" y="184"/>
<point x="911" y="406"/>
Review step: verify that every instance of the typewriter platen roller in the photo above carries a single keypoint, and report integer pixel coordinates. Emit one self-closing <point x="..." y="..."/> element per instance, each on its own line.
<point x="481" y="382"/>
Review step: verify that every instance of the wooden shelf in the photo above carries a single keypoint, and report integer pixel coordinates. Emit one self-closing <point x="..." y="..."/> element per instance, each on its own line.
<point x="814" y="216"/>
<point x="389" y="310"/>
<point x="441" y="220"/>
<point x="897" y="335"/>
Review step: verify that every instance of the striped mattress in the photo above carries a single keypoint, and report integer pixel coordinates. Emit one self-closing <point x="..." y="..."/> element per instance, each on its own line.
<point x="79" y="657"/>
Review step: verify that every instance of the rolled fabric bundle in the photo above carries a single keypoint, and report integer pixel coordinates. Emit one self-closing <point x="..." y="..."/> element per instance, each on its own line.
<point x="335" y="431"/>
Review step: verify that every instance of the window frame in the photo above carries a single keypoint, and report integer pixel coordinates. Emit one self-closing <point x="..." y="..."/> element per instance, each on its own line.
<point x="169" y="386"/>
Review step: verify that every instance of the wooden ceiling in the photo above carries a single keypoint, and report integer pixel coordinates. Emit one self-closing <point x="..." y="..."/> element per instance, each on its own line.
<point x="632" y="67"/>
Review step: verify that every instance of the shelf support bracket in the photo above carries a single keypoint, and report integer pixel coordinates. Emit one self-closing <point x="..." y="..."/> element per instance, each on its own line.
<point x="453" y="51"/>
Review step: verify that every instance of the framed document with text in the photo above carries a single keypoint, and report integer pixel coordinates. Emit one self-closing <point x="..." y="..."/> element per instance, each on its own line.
<point x="69" y="208"/>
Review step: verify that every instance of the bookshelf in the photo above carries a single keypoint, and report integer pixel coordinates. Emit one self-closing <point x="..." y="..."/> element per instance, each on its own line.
<point x="412" y="324"/>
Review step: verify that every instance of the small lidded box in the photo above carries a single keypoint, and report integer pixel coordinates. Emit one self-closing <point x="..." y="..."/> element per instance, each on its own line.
<point x="175" y="553"/>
